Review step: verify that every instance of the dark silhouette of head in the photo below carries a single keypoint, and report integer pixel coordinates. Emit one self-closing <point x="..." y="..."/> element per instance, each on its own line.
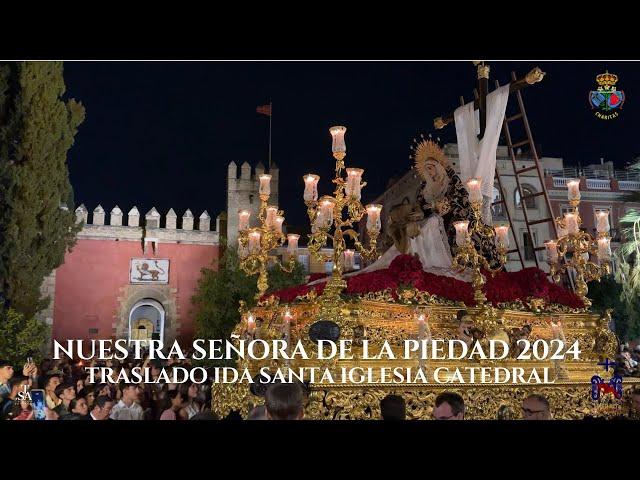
<point x="393" y="407"/>
<point x="284" y="401"/>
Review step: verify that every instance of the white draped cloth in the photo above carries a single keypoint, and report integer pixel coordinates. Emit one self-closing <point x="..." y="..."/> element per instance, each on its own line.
<point x="478" y="157"/>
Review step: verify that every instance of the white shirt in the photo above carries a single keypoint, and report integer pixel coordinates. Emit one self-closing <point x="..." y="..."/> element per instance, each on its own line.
<point x="121" y="412"/>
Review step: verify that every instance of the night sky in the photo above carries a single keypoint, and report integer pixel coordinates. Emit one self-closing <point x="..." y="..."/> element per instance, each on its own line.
<point x="162" y="133"/>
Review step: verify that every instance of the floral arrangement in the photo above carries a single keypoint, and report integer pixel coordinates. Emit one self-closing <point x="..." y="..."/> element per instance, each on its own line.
<point x="406" y="272"/>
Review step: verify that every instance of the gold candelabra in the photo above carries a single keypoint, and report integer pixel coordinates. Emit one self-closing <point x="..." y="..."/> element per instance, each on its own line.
<point x="574" y="249"/>
<point x="327" y="215"/>
<point x="467" y="255"/>
<point x="256" y="244"/>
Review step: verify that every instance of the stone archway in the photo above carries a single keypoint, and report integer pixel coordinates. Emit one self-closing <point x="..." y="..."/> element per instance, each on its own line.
<point x="135" y="294"/>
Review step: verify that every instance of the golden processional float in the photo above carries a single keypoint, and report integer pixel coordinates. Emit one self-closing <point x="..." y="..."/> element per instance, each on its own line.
<point x="557" y="345"/>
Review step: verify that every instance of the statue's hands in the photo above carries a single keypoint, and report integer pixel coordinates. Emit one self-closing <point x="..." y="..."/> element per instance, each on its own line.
<point x="415" y="216"/>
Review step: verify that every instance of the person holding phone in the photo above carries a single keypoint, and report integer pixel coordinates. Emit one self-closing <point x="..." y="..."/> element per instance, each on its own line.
<point x="6" y="372"/>
<point x="17" y="385"/>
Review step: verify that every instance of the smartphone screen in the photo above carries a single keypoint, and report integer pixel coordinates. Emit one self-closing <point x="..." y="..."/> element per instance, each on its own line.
<point x="38" y="403"/>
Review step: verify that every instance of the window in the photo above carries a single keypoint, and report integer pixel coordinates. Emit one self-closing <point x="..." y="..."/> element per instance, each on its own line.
<point x="527" y="190"/>
<point x="250" y="199"/>
<point x="497" y="211"/>
<point x="529" y="246"/>
<point x="328" y="267"/>
<point x="565" y="209"/>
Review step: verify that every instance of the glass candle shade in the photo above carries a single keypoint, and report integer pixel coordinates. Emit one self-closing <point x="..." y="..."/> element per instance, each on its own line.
<point x="338" y="144"/>
<point x="243" y="219"/>
<point x="265" y="184"/>
<point x="573" y="189"/>
<point x="502" y="236"/>
<point x="311" y="187"/>
<point x="461" y="232"/>
<point x="373" y="217"/>
<point x="353" y="185"/>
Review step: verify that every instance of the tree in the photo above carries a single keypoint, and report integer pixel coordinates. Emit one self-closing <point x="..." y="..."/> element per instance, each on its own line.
<point x="37" y="222"/>
<point x="628" y="274"/>
<point x="220" y="290"/>
<point x="21" y="337"/>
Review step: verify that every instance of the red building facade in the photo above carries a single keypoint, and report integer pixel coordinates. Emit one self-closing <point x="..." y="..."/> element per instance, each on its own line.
<point x="131" y="281"/>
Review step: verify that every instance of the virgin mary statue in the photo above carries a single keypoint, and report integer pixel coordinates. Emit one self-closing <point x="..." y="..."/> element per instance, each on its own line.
<point x="425" y="227"/>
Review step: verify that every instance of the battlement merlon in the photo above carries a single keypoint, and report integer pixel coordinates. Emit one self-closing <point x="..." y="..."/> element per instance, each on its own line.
<point x="190" y="233"/>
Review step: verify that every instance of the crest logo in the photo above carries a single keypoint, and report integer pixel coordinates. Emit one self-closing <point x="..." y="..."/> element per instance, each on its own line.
<point x="606" y="100"/>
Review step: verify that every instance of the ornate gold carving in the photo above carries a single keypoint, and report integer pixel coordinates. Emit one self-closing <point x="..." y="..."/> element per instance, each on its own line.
<point x="256" y="262"/>
<point x="568" y="401"/>
<point x="379" y="320"/>
<point x="534" y="76"/>
<point x="576" y="250"/>
<point x="468" y="257"/>
<point x="331" y="303"/>
<point x="483" y="71"/>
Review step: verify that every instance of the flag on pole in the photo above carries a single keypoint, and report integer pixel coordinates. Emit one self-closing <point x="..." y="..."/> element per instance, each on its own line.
<point x="264" y="109"/>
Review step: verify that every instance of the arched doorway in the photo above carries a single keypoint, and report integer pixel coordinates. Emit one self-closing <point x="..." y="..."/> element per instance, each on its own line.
<point x="146" y="321"/>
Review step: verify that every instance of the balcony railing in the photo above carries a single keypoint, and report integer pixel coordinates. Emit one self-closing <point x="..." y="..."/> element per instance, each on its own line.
<point x="596" y="184"/>
<point x="629" y="185"/>
<point x="560" y="181"/>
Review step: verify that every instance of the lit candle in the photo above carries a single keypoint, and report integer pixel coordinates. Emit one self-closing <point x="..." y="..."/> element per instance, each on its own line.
<point x="326" y="209"/>
<point x="338" y="144"/>
<point x="287" y="330"/>
<point x="254" y="241"/>
<point x="502" y="235"/>
<point x="243" y="217"/>
<point x="292" y="244"/>
<point x="311" y="187"/>
<point x="349" y="256"/>
<point x="265" y="184"/>
<point x="562" y="232"/>
<point x="251" y="324"/>
<point x="272" y="212"/>
<point x="353" y="186"/>
<point x="422" y="324"/>
<point x="318" y="222"/>
<point x="461" y="232"/>
<point x="573" y="189"/>
<point x="473" y="187"/>
<point x="604" y="249"/>
<point x="373" y="217"/>
<point x="603" y="221"/>
<point x="571" y="223"/>
<point x="278" y="224"/>
<point x="552" y="251"/>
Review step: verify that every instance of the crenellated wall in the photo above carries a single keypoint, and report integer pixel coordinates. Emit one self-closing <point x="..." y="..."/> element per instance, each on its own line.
<point x="152" y="225"/>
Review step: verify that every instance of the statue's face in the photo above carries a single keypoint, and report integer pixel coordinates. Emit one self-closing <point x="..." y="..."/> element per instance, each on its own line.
<point x="437" y="181"/>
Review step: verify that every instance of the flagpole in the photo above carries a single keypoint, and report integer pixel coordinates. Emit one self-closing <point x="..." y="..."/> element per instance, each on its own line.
<point x="270" y="116"/>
